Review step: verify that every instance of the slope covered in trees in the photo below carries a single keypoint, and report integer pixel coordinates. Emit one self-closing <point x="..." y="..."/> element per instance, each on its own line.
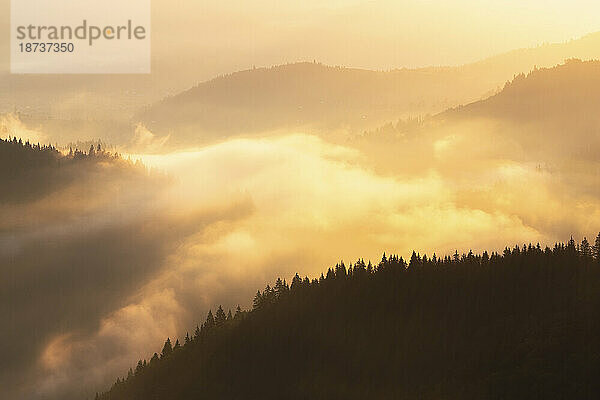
<point x="302" y="95"/>
<point x="323" y="99"/>
<point x="547" y="117"/>
<point x="518" y="325"/>
<point x="74" y="240"/>
<point x="569" y="87"/>
<point x="563" y="97"/>
<point x="29" y="171"/>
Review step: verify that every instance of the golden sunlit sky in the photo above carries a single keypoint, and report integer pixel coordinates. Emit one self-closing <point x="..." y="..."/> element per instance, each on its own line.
<point x="219" y="37"/>
<point x="263" y="176"/>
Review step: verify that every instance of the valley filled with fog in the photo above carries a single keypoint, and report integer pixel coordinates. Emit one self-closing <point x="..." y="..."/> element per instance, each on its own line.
<point x="226" y="186"/>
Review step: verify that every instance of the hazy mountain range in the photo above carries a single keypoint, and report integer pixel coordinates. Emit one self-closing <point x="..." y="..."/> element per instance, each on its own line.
<point x="270" y="171"/>
<point x="546" y="114"/>
<point x="308" y="96"/>
<point x="318" y="98"/>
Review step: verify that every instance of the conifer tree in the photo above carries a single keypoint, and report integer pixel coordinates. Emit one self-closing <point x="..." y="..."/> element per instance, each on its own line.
<point x="585" y="248"/>
<point x="139" y="367"/>
<point x="596" y="248"/>
<point x="210" y="320"/>
<point x="167" y="349"/>
<point x="257" y="302"/>
<point x="220" y="317"/>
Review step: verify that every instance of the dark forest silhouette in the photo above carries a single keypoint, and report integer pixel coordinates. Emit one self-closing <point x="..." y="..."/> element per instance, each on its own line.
<point x="29" y="171"/>
<point x="518" y="325"/>
<point x="78" y="233"/>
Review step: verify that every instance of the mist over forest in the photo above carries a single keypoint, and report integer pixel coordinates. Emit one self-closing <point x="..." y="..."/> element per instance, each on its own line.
<point x="131" y="206"/>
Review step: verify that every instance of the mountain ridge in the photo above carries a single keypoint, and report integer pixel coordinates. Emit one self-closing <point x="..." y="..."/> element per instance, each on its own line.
<point x="328" y="99"/>
<point x="427" y="328"/>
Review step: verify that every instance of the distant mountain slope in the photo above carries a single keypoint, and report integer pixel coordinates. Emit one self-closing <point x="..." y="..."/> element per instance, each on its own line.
<point x="323" y="98"/>
<point x="520" y="325"/>
<point x="304" y="95"/>
<point x="568" y="89"/>
<point x="551" y="109"/>
<point x="548" y="116"/>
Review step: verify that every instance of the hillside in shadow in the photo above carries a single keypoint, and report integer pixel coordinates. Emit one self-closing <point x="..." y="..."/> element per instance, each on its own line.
<point x="29" y="172"/>
<point x="522" y="324"/>
<point x="75" y="238"/>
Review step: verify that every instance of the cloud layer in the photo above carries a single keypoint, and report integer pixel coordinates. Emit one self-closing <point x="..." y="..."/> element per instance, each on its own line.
<point x="101" y="272"/>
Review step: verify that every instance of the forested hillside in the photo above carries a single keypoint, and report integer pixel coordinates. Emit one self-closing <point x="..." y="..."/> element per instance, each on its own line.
<point x="323" y="99"/>
<point x="70" y="238"/>
<point x="546" y="117"/>
<point x="311" y="96"/>
<point x="518" y="325"/>
<point x="29" y="171"/>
